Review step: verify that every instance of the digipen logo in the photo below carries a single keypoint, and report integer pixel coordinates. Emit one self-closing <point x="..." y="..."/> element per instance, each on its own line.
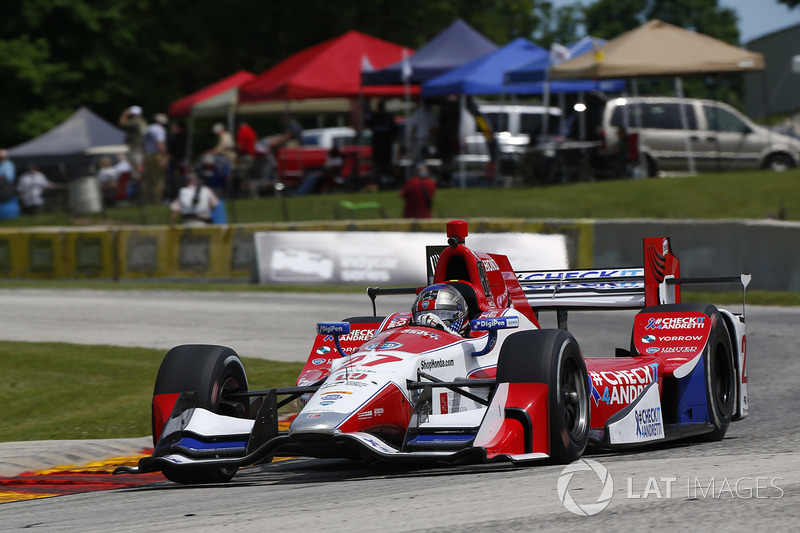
<point x="585" y="509"/>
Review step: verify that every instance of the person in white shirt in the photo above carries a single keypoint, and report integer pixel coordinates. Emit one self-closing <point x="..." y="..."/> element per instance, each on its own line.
<point x="194" y="203"/>
<point x="30" y="187"/>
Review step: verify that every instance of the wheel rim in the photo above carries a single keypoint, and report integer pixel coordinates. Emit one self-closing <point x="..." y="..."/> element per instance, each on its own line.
<point x="574" y="400"/>
<point x="229" y="406"/>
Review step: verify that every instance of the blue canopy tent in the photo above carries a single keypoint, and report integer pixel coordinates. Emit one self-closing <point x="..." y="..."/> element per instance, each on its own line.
<point x="536" y="70"/>
<point x="484" y="75"/>
<point x="453" y="47"/>
<point x="488" y="74"/>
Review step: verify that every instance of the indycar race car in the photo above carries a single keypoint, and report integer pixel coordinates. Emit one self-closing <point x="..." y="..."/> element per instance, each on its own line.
<point x="466" y="374"/>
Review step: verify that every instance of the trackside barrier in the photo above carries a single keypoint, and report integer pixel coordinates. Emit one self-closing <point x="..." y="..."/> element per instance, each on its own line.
<point x="213" y="252"/>
<point x="766" y="249"/>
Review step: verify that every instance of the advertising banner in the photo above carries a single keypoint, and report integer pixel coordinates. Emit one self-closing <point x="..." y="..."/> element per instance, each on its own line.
<point x="386" y="258"/>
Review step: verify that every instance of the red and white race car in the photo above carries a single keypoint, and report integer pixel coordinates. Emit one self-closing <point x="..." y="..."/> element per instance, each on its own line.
<point x="466" y="374"/>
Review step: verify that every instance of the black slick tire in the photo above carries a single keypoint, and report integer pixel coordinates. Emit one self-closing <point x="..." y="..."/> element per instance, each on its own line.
<point x="553" y="357"/>
<point x="211" y="372"/>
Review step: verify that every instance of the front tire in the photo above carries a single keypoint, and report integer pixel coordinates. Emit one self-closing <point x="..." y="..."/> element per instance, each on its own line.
<point x="212" y="373"/>
<point x="552" y="357"/>
<point x="780" y="162"/>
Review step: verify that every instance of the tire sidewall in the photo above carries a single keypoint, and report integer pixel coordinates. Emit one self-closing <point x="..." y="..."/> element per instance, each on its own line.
<point x="720" y="412"/>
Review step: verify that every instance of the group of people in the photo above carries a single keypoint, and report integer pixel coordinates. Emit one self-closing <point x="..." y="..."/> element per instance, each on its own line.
<point x="160" y="172"/>
<point x="23" y="193"/>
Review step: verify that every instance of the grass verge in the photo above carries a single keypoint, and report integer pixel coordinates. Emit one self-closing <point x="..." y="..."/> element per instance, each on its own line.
<point x="736" y="195"/>
<point x="71" y="391"/>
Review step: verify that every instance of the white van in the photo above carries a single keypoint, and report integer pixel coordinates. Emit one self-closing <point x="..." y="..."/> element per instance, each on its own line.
<point x="513" y="125"/>
<point x="718" y="137"/>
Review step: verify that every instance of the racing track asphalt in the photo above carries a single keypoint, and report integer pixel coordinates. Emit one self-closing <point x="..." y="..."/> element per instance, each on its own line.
<point x="333" y="495"/>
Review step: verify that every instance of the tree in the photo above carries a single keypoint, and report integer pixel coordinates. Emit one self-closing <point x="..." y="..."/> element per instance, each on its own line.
<point x="791" y="4"/>
<point x="610" y="18"/>
<point x="56" y="55"/>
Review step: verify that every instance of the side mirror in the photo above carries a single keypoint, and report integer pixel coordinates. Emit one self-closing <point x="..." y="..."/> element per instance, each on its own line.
<point x="335" y="329"/>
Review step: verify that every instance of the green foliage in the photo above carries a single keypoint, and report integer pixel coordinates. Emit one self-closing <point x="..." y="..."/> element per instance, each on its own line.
<point x="56" y="55"/>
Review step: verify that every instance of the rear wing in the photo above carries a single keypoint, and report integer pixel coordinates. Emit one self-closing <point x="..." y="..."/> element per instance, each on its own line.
<point x="657" y="282"/>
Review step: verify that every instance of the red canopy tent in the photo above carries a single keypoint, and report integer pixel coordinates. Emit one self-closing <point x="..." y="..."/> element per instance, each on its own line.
<point x="213" y="99"/>
<point x="331" y="69"/>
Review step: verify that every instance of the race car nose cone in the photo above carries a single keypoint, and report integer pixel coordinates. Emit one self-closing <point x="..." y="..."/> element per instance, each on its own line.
<point x="325" y="423"/>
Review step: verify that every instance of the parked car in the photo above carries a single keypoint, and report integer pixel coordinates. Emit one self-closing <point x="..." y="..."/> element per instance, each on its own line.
<point x="718" y="137"/>
<point x="293" y="163"/>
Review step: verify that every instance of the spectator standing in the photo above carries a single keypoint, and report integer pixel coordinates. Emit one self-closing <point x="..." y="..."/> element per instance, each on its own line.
<point x="8" y="174"/>
<point x="194" y="203"/>
<point x="134" y="126"/>
<point x="107" y="179"/>
<point x="155" y="159"/>
<point x="177" y="145"/>
<point x="245" y="157"/>
<point x="421" y="122"/>
<point x="418" y="194"/>
<point x="225" y="146"/>
<point x="384" y="131"/>
<point x="30" y="187"/>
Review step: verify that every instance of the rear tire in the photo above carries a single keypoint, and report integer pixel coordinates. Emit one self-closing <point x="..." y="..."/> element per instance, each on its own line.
<point x="211" y="372"/>
<point x="553" y="357"/>
<point x="720" y="379"/>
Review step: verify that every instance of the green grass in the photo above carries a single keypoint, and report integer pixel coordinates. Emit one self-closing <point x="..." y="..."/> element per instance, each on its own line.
<point x="70" y="391"/>
<point x="749" y="195"/>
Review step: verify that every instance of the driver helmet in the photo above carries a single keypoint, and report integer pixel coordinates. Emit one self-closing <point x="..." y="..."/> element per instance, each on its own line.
<point x="441" y="306"/>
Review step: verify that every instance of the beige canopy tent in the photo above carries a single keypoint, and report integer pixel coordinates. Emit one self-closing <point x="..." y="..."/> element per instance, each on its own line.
<point x="659" y="49"/>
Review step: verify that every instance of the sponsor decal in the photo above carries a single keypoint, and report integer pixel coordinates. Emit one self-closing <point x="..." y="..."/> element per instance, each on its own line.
<point x="436" y="363"/>
<point x="443" y="403"/>
<point x="676" y="322"/>
<point x="425" y="304"/>
<point x="385" y="345"/>
<point x="679" y="338"/>
<point x="314" y="415"/>
<point x="332" y="397"/>
<point x="333" y="329"/>
<point x="325" y="403"/>
<point x="494" y="323"/>
<point x="647" y="339"/>
<point x="339" y="392"/>
<point x="679" y="349"/>
<point x="648" y="422"/>
<point x="652" y="349"/>
<point x="378" y="411"/>
<point x="423" y="333"/>
<point x="354" y="335"/>
<point x="322" y="350"/>
<point x="365" y="415"/>
<point x="318" y="361"/>
<point x="678" y="359"/>
<point x="580" y="274"/>
<point x="490" y="265"/>
<point x="621" y="387"/>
